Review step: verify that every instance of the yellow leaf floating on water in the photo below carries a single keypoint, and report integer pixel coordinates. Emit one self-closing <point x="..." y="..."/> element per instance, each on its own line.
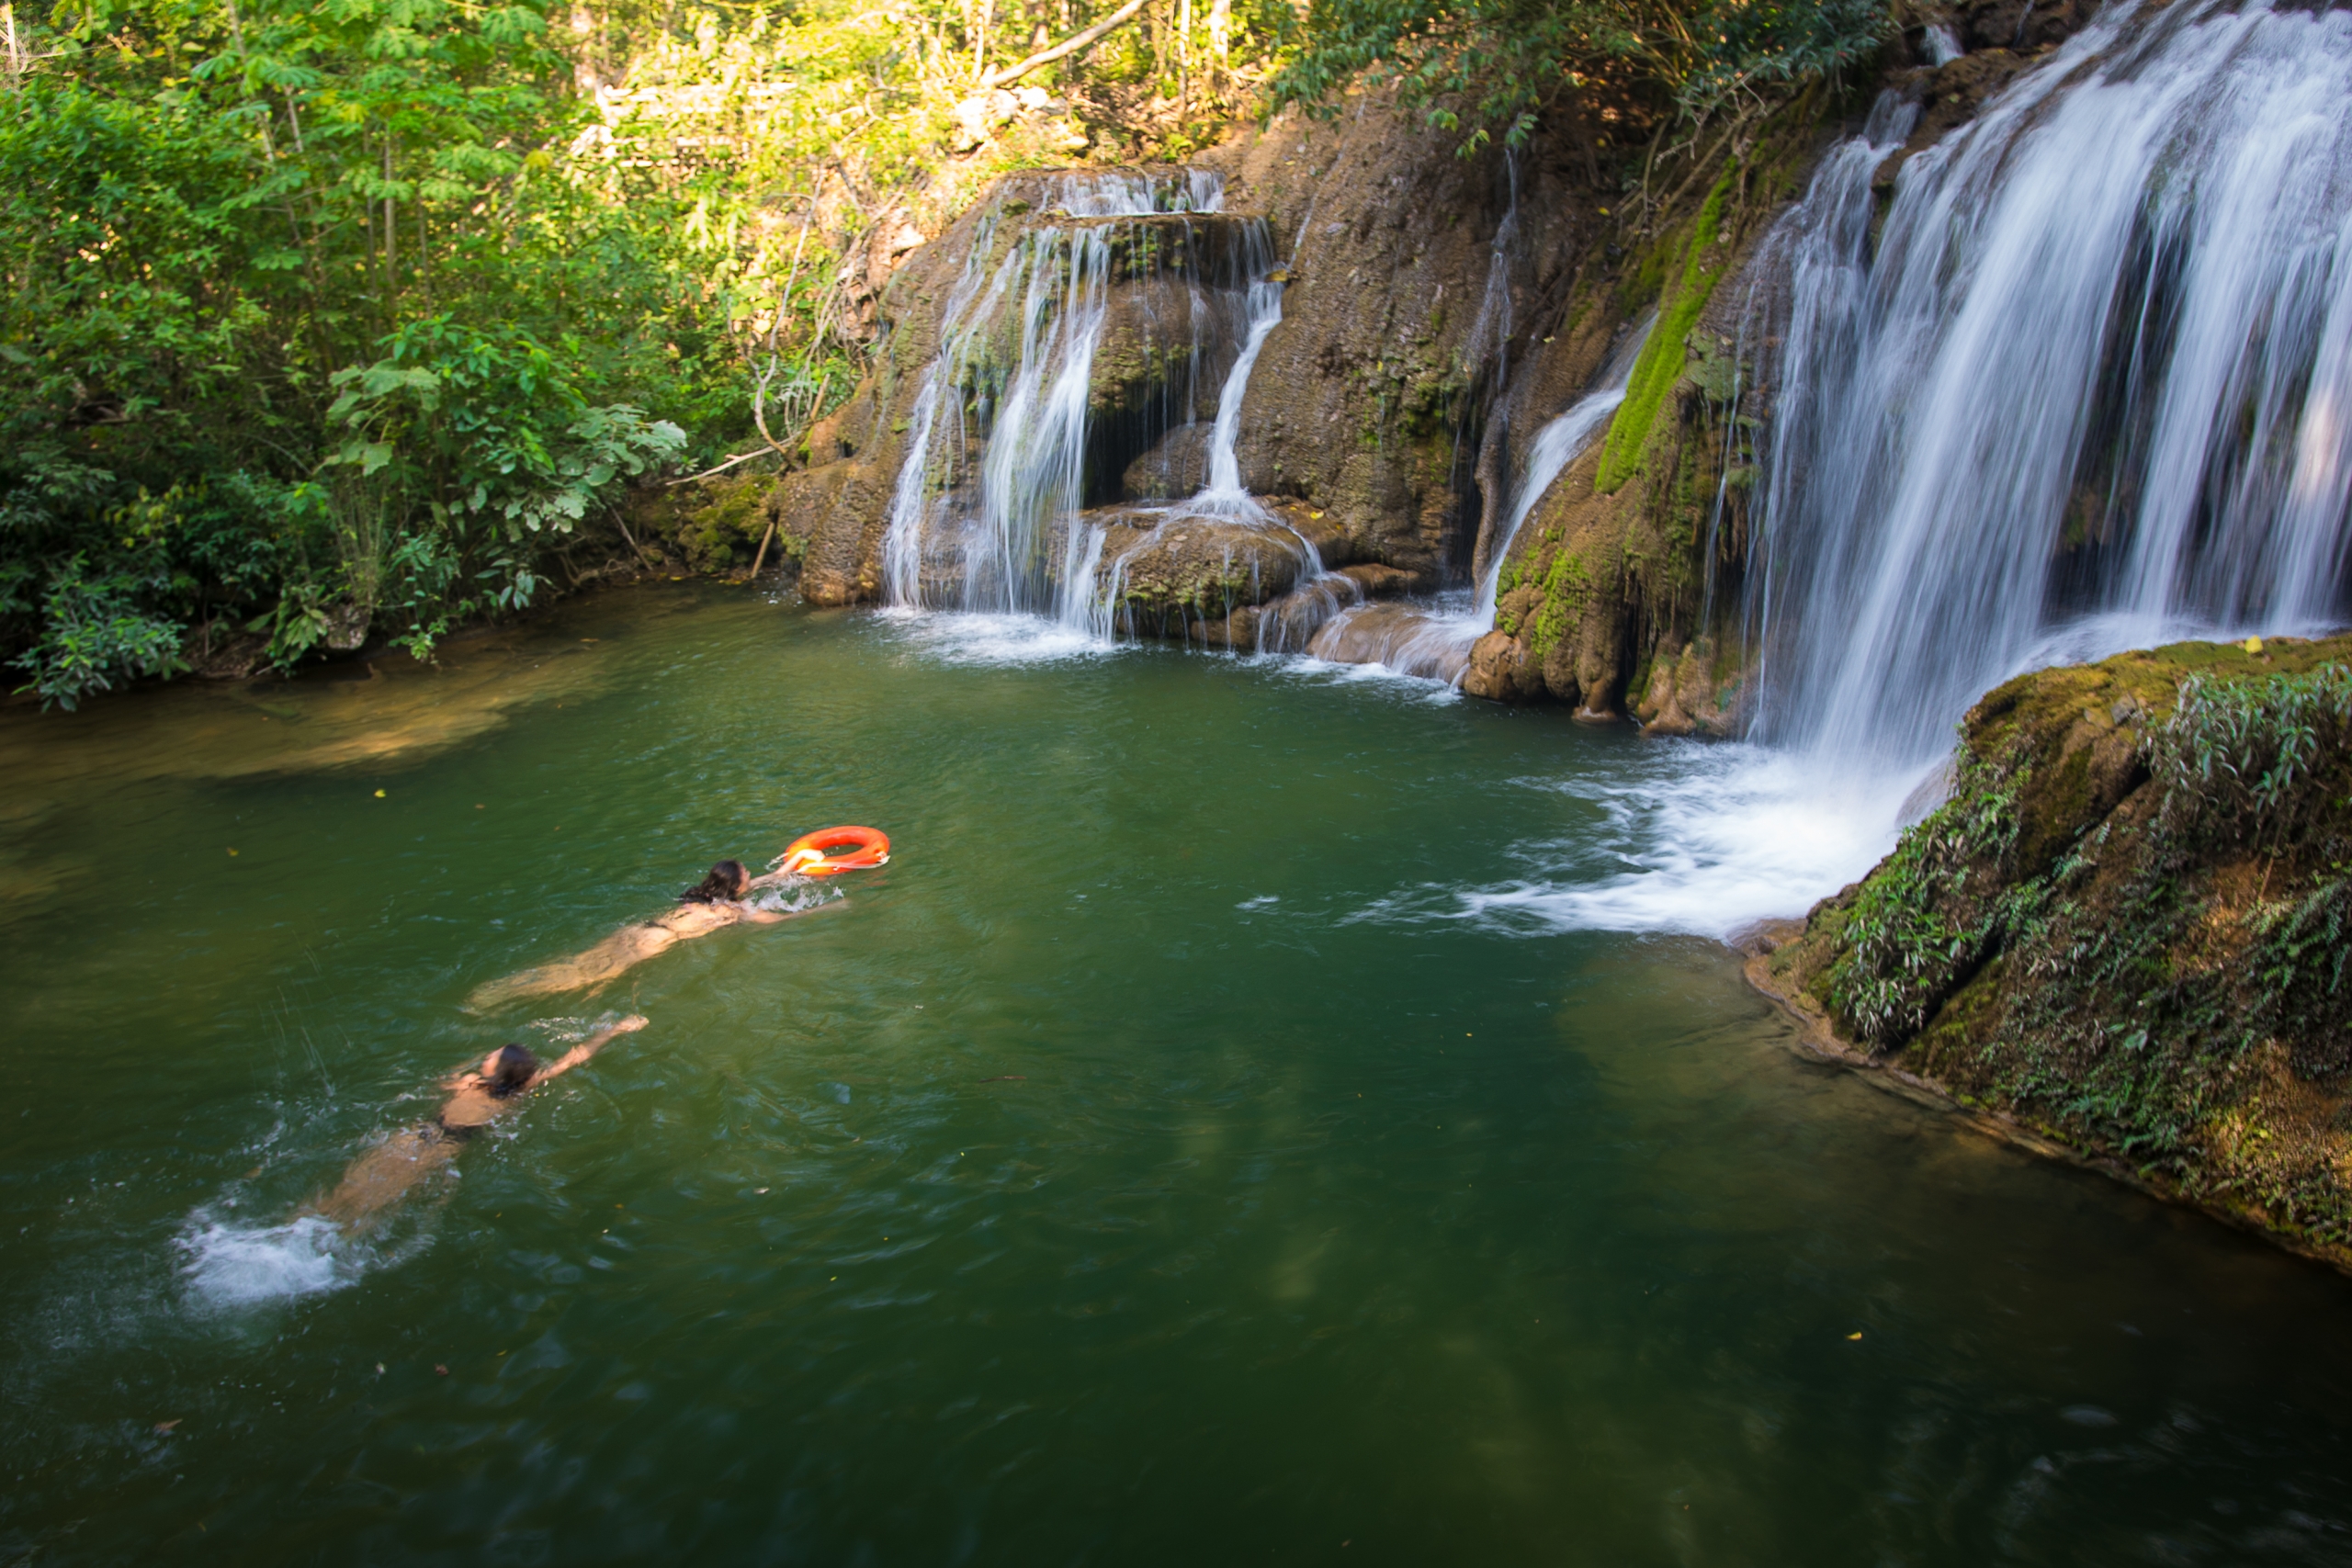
<point x="1856" y="1334"/>
<point x="379" y="794"/>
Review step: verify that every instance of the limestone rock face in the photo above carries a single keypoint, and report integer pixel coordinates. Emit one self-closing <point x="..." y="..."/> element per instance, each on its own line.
<point x="844" y="507"/>
<point x="1687" y="695"/>
<point x="1162" y="564"/>
<point x="1498" y="671"/>
<point x="1177" y="466"/>
<point x="1397" y="321"/>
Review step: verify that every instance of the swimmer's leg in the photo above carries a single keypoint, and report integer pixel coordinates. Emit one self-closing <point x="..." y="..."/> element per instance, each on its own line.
<point x="381" y="1178"/>
<point x="624" y="948"/>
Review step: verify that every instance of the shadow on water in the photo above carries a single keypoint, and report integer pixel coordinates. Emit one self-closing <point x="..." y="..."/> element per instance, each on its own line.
<point x="1122" y="1175"/>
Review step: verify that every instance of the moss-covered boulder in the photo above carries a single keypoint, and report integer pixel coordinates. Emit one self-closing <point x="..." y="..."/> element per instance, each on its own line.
<point x="2128" y="930"/>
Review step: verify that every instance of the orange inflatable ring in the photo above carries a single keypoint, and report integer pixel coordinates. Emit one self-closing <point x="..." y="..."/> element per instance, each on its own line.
<point x="829" y="851"/>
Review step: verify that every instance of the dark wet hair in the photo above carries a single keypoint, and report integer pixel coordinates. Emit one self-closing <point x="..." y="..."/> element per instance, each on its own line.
<point x="725" y="881"/>
<point x="512" y="1070"/>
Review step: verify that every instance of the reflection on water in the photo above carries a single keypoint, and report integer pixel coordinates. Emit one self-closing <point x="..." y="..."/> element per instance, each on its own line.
<point x="1095" y="1183"/>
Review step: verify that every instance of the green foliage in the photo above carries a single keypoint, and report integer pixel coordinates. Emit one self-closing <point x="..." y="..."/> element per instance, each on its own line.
<point x="1927" y="915"/>
<point x="94" y="635"/>
<point x="496" y="423"/>
<point x="309" y="295"/>
<point x="1659" y="366"/>
<point x="2175" y="991"/>
<point x="375" y="306"/>
<point x="2237" y="758"/>
<point x="1498" y="66"/>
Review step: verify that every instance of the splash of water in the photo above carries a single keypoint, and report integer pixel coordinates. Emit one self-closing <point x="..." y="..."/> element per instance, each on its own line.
<point x="1705" y="840"/>
<point x="228" y="1264"/>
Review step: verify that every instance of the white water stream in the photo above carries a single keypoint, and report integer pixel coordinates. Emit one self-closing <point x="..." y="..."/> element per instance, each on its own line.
<point x="2090" y="393"/>
<point x="987" y="514"/>
<point x="2090" y="389"/>
<point x="1432" y="641"/>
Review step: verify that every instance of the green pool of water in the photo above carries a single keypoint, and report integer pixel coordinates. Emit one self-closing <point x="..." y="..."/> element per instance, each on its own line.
<point x="1117" y="1178"/>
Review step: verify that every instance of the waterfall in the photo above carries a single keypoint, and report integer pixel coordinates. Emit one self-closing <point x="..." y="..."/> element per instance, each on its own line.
<point x="2088" y="388"/>
<point x="1011" y="382"/>
<point x="989" y="512"/>
<point x="1558" y="442"/>
<point x="2089" y="391"/>
<point x="1011" y="494"/>
<point x="1321" y="594"/>
<point x="1224" y="493"/>
<point x="1433" y="641"/>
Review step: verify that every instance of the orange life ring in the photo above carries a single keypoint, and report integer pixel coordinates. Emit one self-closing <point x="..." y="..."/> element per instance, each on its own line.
<point x="829" y="851"/>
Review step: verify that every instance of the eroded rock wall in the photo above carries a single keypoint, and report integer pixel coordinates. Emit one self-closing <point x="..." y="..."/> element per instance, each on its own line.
<point x="1436" y="310"/>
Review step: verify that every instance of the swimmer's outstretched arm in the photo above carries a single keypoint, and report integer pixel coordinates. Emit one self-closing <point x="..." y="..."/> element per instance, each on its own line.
<point x="586" y="1049"/>
<point x="381" y="1178"/>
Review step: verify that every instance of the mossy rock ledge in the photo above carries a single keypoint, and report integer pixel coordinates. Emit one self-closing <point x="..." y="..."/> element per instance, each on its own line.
<point x="2125" y="937"/>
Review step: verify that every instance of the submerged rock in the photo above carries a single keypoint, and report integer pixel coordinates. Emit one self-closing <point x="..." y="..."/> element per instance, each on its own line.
<point x="1405" y="638"/>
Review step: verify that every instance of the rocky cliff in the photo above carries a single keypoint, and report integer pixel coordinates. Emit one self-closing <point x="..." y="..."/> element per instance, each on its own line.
<point x="1436" y="310"/>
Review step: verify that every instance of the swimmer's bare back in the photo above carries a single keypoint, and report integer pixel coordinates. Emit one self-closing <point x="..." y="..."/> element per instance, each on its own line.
<point x="381" y="1176"/>
<point x="624" y="950"/>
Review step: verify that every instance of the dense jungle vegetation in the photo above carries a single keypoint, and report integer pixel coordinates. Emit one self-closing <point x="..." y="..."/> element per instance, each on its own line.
<point x="341" y="322"/>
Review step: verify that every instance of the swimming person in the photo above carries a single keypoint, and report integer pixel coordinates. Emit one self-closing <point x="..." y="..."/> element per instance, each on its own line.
<point x="378" y="1178"/>
<point x="716" y="901"/>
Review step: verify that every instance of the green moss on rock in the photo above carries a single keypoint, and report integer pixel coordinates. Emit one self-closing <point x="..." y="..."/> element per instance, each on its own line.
<point x="2129" y="931"/>
<point x="1660" y="364"/>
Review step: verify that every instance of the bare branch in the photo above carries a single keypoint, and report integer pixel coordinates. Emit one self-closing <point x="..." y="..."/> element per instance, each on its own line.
<point x="1071" y="45"/>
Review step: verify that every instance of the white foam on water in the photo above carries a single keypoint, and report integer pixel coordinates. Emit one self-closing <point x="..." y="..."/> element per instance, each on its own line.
<point x="975" y="638"/>
<point x="1305" y="666"/>
<point x="1699" y="840"/>
<point x="228" y="1264"/>
<point x="796" y="896"/>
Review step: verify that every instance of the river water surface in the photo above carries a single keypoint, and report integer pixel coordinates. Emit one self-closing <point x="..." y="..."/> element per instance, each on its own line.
<point x="1177" y="1154"/>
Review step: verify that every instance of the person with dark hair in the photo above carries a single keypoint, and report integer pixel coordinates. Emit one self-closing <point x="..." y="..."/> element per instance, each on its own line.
<point x="378" y="1178"/>
<point x="727" y="881"/>
<point x="716" y="901"/>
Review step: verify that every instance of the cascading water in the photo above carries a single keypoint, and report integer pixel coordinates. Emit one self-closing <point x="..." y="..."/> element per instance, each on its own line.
<point x="989" y="510"/>
<point x="1224" y="492"/>
<point x="2087" y="390"/>
<point x="1559" y="442"/>
<point x="1433" y="641"/>
<point x="987" y="491"/>
<point x="1321" y="593"/>
<point x="2090" y="392"/>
